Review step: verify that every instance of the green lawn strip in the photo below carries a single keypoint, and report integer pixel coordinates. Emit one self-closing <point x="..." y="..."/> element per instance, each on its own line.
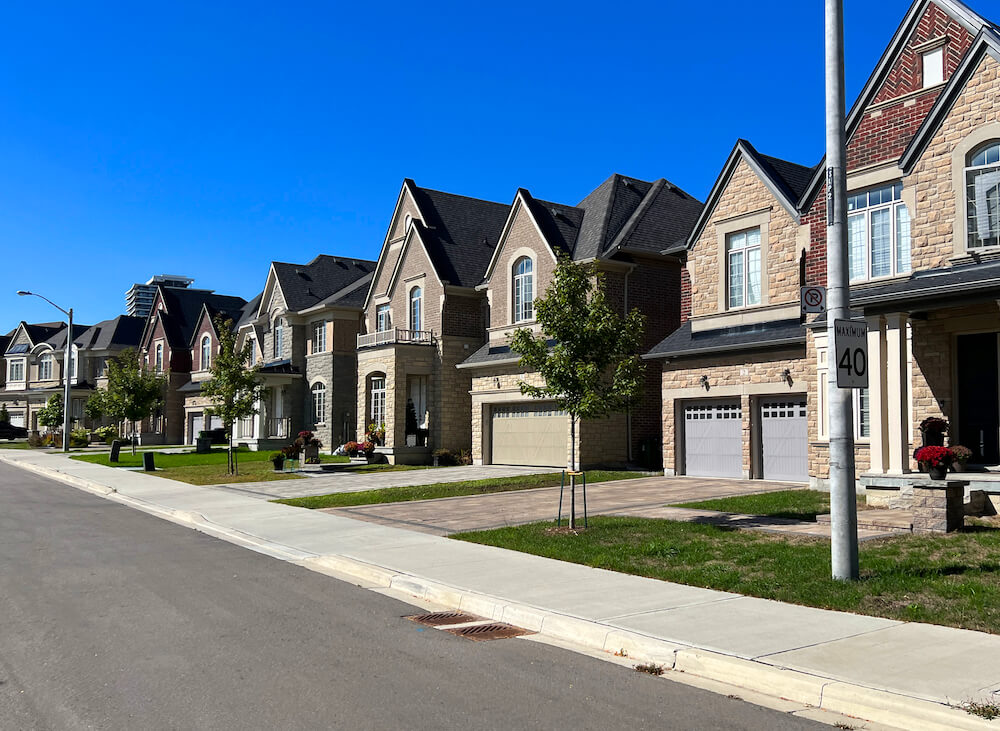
<point x="13" y="445"/>
<point x="792" y="504"/>
<point x="449" y="489"/>
<point x="951" y="580"/>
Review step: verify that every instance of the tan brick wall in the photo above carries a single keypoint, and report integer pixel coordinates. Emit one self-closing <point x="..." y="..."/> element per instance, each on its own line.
<point x="745" y="194"/>
<point x="390" y="253"/>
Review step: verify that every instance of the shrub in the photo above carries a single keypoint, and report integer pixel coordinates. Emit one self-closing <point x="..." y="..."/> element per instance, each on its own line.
<point x="445" y="457"/>
<point x="368" y="447"/>
<point x="291" y="451"/>
<point x="79" y="438"/>
<point x="35" y="440"/>
<point x="962" y="454"/>
<point x="106" y="433"/>
<point x="351" y="448"/>
<point x="277" y="456"/>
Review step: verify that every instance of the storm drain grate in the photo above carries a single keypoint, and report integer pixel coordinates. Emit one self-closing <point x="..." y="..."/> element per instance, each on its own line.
<point x="437" y="619"/>
<point x="490" y="631"/>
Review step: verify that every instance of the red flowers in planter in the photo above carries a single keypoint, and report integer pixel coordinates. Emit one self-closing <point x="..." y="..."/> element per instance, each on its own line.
<point x="934" y="456"/>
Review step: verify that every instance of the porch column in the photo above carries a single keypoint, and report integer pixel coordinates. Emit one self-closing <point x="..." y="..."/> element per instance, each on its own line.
<point x="897" y="393"/>
<point x="878" y="437"/>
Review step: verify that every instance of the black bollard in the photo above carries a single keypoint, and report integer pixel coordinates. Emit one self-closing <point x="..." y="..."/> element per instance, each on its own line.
<point x="147" y="462"/>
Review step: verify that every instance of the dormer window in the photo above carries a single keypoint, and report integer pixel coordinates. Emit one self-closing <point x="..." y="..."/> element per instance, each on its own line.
<point x="878" y="233"/>
<point x="206" y="352"/>
<point x="932" y="63"/>
<point x="15" y="370"/>
<point x="743" y="268"/>
<point x="523" y="290"/>
<point x="982" y="181"/>
<point x="45" y="367"/>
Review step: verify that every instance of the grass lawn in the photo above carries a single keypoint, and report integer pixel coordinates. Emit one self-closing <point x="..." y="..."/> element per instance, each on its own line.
<point x="802" y="505"/>
<point x="205" y="469"/>
<point x="449" y="489"/>
<point x="13" y="445"/>
<point x="952" y="580"/>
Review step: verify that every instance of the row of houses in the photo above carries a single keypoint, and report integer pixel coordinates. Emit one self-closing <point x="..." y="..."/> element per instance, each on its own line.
<point x="417" y="340"/>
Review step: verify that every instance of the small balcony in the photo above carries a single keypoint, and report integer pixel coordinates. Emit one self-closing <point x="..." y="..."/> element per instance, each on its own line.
<point x="395" y="335"/>
<point x="280" y="428"/>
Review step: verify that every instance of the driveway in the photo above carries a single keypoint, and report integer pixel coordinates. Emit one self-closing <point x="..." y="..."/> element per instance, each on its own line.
<point x="644" y="496"/>
<point x="347" y="482"/>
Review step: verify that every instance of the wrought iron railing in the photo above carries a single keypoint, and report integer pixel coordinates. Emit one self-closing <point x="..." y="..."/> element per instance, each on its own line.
<point x="395" y="335"/>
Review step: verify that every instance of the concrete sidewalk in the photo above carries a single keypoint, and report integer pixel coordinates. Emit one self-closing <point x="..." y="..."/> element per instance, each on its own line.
<point x="901" y="674"/>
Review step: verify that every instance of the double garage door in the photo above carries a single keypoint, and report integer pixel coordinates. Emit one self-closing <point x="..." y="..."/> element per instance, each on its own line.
<point x="198" y="424"/>
<point x="714" y="438"/>
<point x="529" y="434"/>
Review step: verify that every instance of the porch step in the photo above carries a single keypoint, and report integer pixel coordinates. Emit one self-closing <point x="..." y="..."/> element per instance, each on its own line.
<point x="896" y="521"/>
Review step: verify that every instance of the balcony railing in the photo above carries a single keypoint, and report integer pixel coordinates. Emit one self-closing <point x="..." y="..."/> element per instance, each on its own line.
<point x="279" y="428"/>
<point x="395" y="335"/>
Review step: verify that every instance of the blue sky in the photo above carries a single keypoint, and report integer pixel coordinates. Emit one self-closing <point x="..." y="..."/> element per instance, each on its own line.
<point x="207" y="139"/>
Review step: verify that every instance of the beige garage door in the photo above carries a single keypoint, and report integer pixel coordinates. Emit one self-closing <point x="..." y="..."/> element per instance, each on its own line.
<point x="529" y="434"/>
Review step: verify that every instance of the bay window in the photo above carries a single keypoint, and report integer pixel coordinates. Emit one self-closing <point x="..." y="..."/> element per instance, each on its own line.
<point x="982" y="180"/>
<point x="878" y="233"/>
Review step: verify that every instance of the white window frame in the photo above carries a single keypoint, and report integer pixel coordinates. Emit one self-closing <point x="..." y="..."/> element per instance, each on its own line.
<point x="416" y="308"/>
<point x="158" y="358"/>
<point x="383" y="318"/>
<point x="376" y="398"/>
<point x="976" y="194"/>
<point x="278" y="337"/>
<point x="45" y="368"/>
<point x="932" y="66"/>
<point x="740" y="246"/>
<point x="862" y="426"/>
<point x="862" y="209"/>
<point x="523" y="290"/>
<point x="15" y="370"/>
<point x="206" y="352"/>
<point x="318" y="396"/>
<point x="319" y="337"/>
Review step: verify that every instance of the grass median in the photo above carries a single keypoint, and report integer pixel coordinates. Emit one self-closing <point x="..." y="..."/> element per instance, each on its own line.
<point x="949" y="579"/>
<point x="450" y="489"/>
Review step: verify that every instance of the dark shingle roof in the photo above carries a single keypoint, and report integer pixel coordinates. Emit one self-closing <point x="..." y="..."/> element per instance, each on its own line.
<point x="795" y="177"/>
<point x="123" y="331"/>
<point x="925" y="287"/>
<point x="58" y="339"/>
<point x="249" y="313"/>
<point x="41" y="332"/>
<point x="306" y="285"/>
<point x="492" y="354"/>
<point x="665" y="216"/>
<point x="683" y="342"/>
<point x="461" y="233"/>
<point x="184" y="309"/>
<point x="559" y="223"/>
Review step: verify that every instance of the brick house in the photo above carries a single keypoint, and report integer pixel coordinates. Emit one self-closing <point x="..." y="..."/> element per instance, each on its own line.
<point x="303" y="328"/>
<point x="423" y="315"/>
<point x="743" y="383"/>
<point x="34" y="359"/>
<point x="623" y="225"/>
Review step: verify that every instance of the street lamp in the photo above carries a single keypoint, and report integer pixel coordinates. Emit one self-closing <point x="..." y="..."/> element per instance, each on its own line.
<point x="67" y="359"/>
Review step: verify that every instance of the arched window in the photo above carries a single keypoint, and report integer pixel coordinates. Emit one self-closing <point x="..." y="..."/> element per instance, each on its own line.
<point x="279" y="337"/>
<point x="376" y="399"/>
<point x="524" y="290"/>
<point x="206" y="352"/>
<point x="416" y="308"/>
<point x="982" y="185"/>
<point x="158" y="359"/>
<point x="407" y="222"/>
<point x="319" y="403"/>
<point x="45" y="367"/>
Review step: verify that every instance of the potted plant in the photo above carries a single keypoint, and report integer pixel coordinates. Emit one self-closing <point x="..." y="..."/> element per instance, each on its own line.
<point x="376" y="434"/>
<point x="962" y="455"/>
<point x="932" y="431"/>
<point x="368" y="447"/>
<point x="936" y="460"/>
<point x="278" y="460"/>
<point x="290" y="452"/>
<point x="309" y="445"/>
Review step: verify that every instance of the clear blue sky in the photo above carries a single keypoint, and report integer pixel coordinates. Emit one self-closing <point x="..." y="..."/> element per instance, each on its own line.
<point x="207" y="139"/>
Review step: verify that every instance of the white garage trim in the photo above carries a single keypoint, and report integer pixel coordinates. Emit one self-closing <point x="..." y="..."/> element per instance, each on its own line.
<point x="713" y="438"/>
<point x="784" y="436"/>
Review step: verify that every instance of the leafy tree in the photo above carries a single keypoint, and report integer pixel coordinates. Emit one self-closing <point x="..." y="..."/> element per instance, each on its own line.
<point x="4" y="415"/>
<point x="587" y="353"/>
<point x="132" y="393"/>
<point x="51" y="415"/>
<point x="234" y="387"/>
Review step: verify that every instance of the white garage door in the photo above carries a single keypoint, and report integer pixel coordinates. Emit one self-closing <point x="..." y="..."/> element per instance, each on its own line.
<point x="529" y="434"/>
<point x="17" y="420"/>
<point x="197" y="424"/>
<point x="713" y="439"/>
<point x="784" y="439"/>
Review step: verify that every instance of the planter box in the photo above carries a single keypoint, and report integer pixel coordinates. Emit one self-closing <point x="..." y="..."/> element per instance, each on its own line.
<point x="310" y="453"/>
<point x="203" y="445"/>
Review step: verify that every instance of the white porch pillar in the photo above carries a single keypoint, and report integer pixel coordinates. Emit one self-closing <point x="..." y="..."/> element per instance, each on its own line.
<point x="877" y="406"/>
<point x="897" y="393"/>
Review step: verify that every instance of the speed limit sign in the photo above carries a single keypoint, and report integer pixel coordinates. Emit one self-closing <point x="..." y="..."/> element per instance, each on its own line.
<point x="851" y="353"/>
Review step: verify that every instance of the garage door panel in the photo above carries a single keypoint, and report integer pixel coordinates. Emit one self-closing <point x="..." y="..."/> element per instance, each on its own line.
<point x="17" y="420"/>
<point x="529" y="434"/>
<point x="713" y="439"/>
<point x="785" y="439"/>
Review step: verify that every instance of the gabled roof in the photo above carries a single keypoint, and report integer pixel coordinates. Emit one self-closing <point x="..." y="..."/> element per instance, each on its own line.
<point x="209" y="311"/>
<point x="124" y="331"/>
<point x="249" y="313"/>
<point x="785" y="180"/>
<point x="987" y="43"/>
<point x="962" y="13"/>
<point x="184" y="308"/>
<point x="38" y="333"/>
<point x="307" y="285"/>
<point x="58" y="339"/>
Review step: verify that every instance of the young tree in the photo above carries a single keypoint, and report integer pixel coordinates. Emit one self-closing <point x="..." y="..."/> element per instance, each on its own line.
<point x="4" y="414"/>
<point x="587" y="353"/>
<point x="132" y="392"/>
<point x="234" y="387"/>
<point x="51" y="415"/>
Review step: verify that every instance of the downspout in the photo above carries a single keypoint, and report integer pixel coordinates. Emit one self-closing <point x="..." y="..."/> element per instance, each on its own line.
<point x="628" y="410"/>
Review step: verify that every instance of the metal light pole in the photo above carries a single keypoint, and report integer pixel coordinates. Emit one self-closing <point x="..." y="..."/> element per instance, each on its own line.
<point x="67" y="359"/>
<point x="843" y="506"/>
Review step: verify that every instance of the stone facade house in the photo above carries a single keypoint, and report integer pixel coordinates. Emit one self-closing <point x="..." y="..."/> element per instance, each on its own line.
<point x="623" y="226"/>
<point x="34" y="360"/>
<point x="303" y="329"/>
<point x="744" y="384"/>
<point x="423" y="315"/>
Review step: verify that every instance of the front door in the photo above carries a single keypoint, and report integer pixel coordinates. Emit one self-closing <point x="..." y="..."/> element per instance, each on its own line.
<point x="978" y="397"/>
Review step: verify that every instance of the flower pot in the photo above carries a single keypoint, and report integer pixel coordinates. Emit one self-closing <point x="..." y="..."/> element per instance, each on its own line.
<point x="279" y="464"/>
<point x="938" y="472"/>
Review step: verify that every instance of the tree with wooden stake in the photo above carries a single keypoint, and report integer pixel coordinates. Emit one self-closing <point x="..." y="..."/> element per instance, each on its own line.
<point x="233" y="387"/>
<point x="132" y="393"/>
<point x="587" y="353"/>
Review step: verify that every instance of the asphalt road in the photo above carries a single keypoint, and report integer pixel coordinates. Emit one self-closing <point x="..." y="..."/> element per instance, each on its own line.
<point x="113" y="619"/>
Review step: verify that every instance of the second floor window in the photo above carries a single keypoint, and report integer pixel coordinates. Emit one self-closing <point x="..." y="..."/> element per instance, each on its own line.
<point x="382" y="318"/>
<point x="158" y="359"/>
<point x="982" y="181"/>
<point x="319" y="337"/>
<point x="206" y="353"/>
<point x="524" y="290"/>
<point x="15" y="370"/>
<point x="319" y="403"/>
<point x="743" y="268"/>
<point x="878" y="233"/>
<point x="279" y="338"/>
<point x="45" y="368"/>
<point x="416" y="305"/>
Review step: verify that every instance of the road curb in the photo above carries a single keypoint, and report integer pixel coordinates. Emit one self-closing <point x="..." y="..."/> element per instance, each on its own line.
<point x="830" y="694"/>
